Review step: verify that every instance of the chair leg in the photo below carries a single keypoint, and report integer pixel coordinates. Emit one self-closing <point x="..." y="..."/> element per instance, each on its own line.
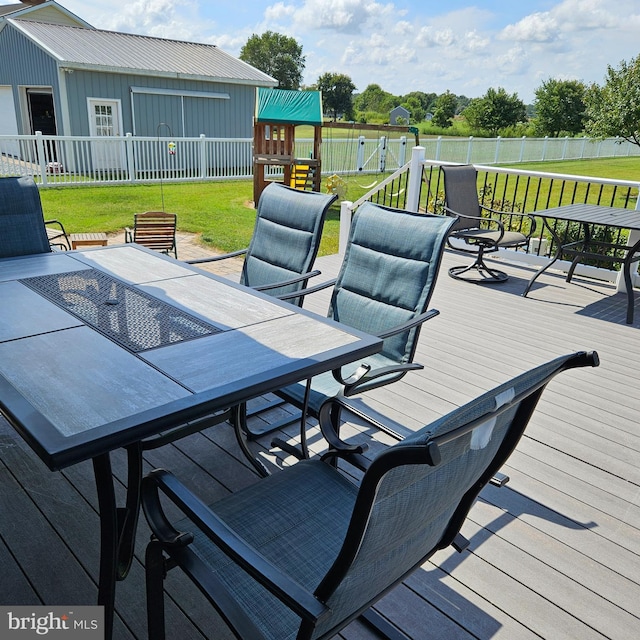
<point x="239" y="423"/>
<point x="301" y="452"/>
<point x="486" y="274"/>
<point x="154" y="576"/>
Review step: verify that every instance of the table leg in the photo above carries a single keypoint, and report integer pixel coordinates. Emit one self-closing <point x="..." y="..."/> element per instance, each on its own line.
<point x="539" y="272"/>
<point x="108" y="539"/>
<point x="630" y="258"/>
<point x="117" y="527"/>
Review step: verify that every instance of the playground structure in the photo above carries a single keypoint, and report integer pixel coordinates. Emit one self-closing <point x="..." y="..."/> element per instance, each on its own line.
<point x="278" y="112"/>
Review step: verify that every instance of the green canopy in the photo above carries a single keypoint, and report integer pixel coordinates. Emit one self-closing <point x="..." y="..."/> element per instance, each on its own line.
<point x="288" y="107"/>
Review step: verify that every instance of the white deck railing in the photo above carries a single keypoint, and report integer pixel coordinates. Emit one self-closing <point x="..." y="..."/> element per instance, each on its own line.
<point x="421" y="195"/>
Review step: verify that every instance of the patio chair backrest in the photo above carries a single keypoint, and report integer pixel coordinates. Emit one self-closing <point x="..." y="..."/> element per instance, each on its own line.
<point x="22" y="228"/>
<point x="286" y="237"/>
<point x="389" y="273"/>
<point x="415" y="496"/>
<point x="461" y="194"/>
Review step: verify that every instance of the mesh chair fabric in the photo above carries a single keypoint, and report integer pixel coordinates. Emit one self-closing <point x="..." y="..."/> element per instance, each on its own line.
<point x="22" y="228"/>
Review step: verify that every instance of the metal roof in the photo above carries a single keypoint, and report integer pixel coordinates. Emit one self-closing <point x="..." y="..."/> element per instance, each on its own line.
<point x="94" y="49"/>
<point x="11" y="8"/>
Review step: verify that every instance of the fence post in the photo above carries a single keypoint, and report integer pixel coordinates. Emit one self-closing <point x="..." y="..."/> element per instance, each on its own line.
<point x="469" y="149"/>
<point x="415" y="179"/>
<point x="345" y="226"/>
<point x="584" y="144"/>
<point x="438" y="145"/>
<point x="383" y="154"/>
<point x="360" y="153"/>
<point x="564" y="147"/>
<point x="41" y="157"/>
<point x="131" y="169"/>
<point x="496" y="157"/>
<point x="524" y="138"/>
<point x="544" y="148"/>
<point x="402" y="154"/>
<point x="203" y="156"/>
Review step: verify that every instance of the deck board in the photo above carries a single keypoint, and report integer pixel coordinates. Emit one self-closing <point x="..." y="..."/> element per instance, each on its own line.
<point x="554" y="554"/>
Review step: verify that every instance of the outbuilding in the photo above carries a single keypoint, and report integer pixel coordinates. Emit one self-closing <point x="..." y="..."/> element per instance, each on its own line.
<point x="61" y="76"/>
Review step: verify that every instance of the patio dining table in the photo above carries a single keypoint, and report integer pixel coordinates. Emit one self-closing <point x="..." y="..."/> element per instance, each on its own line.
<point x="587" y="247"/>
<point x="104" y="347"/>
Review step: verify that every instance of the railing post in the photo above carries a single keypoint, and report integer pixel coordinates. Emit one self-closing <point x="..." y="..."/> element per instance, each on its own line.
<point x="41" y="157"/>
<point x="131" y="169"/>
<point x="203" y="156"/>
<point x="415" y="179"/>
<point x="345" y="226"/>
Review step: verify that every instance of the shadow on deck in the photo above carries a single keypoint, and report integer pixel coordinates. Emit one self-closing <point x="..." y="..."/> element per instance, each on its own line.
<point x="554" y="554"/>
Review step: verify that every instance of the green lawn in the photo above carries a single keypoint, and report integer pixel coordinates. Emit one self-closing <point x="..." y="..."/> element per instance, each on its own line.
<point x="222" y="212"/>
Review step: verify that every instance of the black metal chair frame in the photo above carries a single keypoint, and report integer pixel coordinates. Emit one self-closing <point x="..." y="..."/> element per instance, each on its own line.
<point x="481" y="233"/>
<point x="171" y="544"/>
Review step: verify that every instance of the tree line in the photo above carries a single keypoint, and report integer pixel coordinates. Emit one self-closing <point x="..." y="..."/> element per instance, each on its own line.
<point x="561" y="107"/>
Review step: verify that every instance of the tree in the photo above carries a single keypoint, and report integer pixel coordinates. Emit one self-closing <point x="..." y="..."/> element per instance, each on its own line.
<point x="373" y="98"/>
<point x="278" y="56"/>
<point x="444" y="109"/>
<point x="494" y="111"/>
<point x="337" y="94"/>
<point x="560" y="107"/>
<point x="413" y="105"/>
<point x="614" y="108"/>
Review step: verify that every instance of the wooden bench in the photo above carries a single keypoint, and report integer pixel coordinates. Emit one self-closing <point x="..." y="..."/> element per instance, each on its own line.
<point x="88" y="239"/>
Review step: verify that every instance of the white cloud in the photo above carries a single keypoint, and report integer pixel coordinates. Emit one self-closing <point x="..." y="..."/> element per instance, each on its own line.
<point x="538" y="27"/>
<point x="347" y="16"/>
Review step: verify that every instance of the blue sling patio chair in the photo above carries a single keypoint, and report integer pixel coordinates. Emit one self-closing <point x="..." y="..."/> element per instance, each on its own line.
<point x="305" y="551"/>
<point x="384" y="287"/>
<point x="285" y="240"/>
<point x="478" y="228"/>
<point x="23" y="229"/>
<point x="283" y="248"/>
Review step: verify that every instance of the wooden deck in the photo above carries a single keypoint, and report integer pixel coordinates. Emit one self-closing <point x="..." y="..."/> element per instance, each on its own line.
<point x="554" y="554"/>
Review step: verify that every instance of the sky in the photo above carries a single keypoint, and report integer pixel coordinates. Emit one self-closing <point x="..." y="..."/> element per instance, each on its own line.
<point x="460" y="46"/>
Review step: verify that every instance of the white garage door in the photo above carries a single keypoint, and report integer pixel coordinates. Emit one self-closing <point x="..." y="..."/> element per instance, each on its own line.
<point x="8" y="122"/>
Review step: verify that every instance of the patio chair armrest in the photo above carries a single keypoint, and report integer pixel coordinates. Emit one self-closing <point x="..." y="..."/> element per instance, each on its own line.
<point x="284" y="283"/>
<point x="56" y="222"/>
<point x="351" y="388"/>
<point x="304" y="292"/>
<point x="410" y="324"/>
<point x="224" y="256"/>
<point x="532" y="219"/>
<point x="487" y="221"/>
<point x="290" y="592"/>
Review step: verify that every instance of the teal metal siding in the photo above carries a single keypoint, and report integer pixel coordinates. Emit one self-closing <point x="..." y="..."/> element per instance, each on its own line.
<point x="23" y="63"/>
<point x="213" y="117"/>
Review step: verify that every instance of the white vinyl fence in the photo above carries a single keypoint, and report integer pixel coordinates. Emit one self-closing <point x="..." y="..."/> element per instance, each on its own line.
<point x="75" y="160"/>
